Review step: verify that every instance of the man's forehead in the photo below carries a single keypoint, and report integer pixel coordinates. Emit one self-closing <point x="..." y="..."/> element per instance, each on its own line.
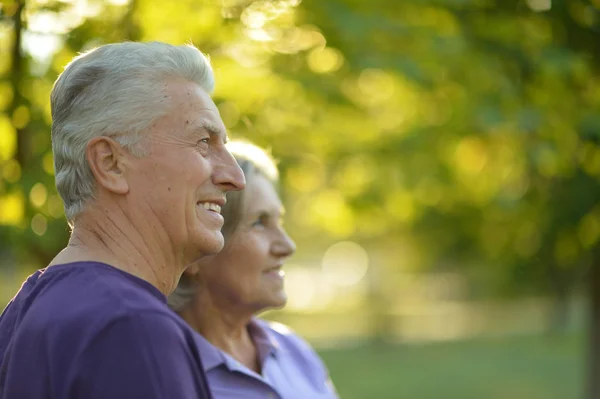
<point x="199" y="109"/>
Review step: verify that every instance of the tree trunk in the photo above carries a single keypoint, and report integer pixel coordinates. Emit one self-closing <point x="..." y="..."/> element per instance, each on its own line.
<point x="559" y="313"/>
<point x="16" y="72"/>
<point x="131" y="30"/>
<point x="378" y="305"/>
<point x="560" y="285"/>
<point x="594" y="330"/>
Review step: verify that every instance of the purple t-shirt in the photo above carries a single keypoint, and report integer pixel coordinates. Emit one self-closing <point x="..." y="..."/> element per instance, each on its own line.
<point x="88" y="330"/>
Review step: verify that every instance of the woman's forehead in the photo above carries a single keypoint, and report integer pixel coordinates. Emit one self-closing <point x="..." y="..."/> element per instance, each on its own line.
<point x="261" y="196"/>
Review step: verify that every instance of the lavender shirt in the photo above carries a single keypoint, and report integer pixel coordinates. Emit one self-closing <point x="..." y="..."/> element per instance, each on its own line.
<point x="290" y="367"/>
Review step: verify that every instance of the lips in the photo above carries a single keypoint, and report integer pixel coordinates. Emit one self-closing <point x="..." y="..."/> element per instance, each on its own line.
<point x="273" y="269"/>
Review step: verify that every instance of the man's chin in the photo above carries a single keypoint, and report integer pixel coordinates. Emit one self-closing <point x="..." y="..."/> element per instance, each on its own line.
<point x="212" y="244"/>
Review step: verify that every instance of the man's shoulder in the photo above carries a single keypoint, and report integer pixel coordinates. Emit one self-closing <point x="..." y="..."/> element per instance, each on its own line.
<point x="85" y="299"/>
<point x="96" y="286"/>
<point x="100" y="334"/>
<point x="66" y="318"/>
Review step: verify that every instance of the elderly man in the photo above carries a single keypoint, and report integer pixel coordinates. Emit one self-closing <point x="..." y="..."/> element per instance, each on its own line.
<point x="142" y="168"/>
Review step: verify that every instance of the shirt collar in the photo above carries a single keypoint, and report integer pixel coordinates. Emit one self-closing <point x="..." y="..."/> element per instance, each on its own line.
<point x="265" y="342"/>
<point x="213" y="357"/>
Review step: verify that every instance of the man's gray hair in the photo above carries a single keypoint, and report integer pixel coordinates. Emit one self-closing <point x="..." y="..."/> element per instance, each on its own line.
<point x="115" y="90"/>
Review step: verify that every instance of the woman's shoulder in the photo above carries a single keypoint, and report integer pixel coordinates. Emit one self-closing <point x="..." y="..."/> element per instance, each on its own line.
<point x="294" y="349"/>
<point x="286" y="338"/>
<point x="278" y="331"/>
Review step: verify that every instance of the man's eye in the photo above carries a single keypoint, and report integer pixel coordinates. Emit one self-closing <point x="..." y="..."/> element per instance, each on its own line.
<point x="203" y="144"/>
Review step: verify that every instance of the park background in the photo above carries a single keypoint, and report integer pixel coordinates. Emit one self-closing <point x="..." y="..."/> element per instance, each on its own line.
<point x="440" y="168"/>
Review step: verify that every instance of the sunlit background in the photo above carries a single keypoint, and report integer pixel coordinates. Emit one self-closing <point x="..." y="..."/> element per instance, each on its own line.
<point x="440" y="163"/>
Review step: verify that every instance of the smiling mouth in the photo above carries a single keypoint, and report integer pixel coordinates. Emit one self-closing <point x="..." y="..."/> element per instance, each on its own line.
<point x="211" y="206"/>
<point x="276" y="269"/>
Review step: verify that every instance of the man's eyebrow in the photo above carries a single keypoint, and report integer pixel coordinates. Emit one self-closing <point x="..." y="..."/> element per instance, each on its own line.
<point x="214" y="130"/>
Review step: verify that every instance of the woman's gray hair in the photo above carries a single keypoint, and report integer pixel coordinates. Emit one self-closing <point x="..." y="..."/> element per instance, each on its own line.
<point x="115" y="90"/>
<point x="253" y="161"/>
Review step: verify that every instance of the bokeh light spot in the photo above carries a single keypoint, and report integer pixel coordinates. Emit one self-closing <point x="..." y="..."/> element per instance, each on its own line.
<point x="11" y="171"/>
<point x="12" y="209"/>
<point x="8" y="138"/>
<point x="325" y="60"/>
<point x="345" y="263"/>
<point x="39" y="224"/>
<point x="38" y="195"/>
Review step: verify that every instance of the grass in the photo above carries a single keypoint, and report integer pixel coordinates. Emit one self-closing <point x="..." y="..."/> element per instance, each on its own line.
<point x="531" y="367"/>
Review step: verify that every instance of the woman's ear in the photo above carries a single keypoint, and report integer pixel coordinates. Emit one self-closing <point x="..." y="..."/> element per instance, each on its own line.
<point x="192" y="272"/>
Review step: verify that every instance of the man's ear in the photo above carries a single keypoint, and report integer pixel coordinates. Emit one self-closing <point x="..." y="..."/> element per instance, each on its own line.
<point x="107" y="161"/>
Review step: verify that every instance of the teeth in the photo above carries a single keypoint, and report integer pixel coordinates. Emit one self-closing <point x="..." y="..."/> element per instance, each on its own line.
<point x="211" y="206"/>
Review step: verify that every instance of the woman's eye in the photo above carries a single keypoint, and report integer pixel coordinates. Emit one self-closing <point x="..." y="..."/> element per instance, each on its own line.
<point x="260" y="222"/>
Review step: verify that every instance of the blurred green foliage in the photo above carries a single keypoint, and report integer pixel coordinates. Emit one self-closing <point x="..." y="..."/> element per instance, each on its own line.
<point x="442" y="135"/>
<point x="451" y="134"/>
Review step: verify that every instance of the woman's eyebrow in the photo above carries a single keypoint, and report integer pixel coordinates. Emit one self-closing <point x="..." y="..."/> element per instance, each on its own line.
<point x="278" y="213"/>
<point x="260" y="213"/>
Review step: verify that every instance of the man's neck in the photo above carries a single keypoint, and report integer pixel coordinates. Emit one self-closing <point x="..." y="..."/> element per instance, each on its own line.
<point x="115" y="241"/>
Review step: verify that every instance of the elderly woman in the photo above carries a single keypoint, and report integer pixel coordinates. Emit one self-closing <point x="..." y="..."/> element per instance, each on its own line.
<point x="219" y="296"/>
